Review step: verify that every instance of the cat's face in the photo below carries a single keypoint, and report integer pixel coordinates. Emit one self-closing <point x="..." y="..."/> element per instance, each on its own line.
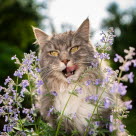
<point x="65" y="55"/>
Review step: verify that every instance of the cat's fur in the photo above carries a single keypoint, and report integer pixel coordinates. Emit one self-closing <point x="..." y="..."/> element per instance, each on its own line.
<point x="54" y="80"/>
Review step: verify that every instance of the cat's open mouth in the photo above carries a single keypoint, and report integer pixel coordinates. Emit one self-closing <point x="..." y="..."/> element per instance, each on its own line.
<point x="68" y="71"/>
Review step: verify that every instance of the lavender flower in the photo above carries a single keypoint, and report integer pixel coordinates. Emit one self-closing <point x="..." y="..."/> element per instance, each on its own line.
<point x="102" y="55"/>
<point x="122" y="89"/>
<point x="18" y="73"/>
<point x="118" y="88"/>
<point x="130" y="77"/>
<point x="74" y="115"/>
<point x="109" y="37"/>
<point x="121" y="128"/>
<point x="1" y="88"/>
<point x="29" y="118"/>
<point x="39" y="83"/>
<point x="7" y="80"/>
<point x="78" y="90"/>
<point x="134" y="62"/>
<point x="98" y="81"/>
<point x="90" y="98"/>
<point x="128" y="105"/>
<point x="118" y="58"/>
<point x="54" y="93"/>
<point x="130" y="53"/>
<point x="91" y="132"/>
<point x="107" y="103"/>
<point x="111" y="128"/>
<point x="50" y="111"/>
<point x="25" y="111"/>
<point x="39" y="92"/>
<point x="14" y="57"/>
<point x="125" y="66"/>
<point x="22" y="92"/>
<point x="88" y="82"/>
<point x="24" y="83"/>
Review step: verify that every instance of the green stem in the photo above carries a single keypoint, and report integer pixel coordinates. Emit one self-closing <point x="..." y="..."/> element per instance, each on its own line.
<point x="93" y="112"/>
<point x="20" y="122"/>
<point x="62" y="113"/>
<point x="31" y="97"/>
<point x="61" y="116"/>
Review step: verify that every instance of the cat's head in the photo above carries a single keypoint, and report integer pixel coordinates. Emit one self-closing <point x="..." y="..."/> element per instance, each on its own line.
<point x="65" y="55"/>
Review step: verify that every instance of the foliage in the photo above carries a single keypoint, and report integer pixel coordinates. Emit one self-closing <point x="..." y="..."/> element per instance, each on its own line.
<point x="16" y="36"/>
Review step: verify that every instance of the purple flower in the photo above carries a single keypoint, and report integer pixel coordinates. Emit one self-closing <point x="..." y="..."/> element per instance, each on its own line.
<point x="1" y="88"/>
<point x="6" y="95"/>
<point x="14" y="57"/>
<point x="22" y="92"/>
<point x="93" y="97"/>
<point x="109" y="71"/>
<point x="29" y="118"/>
<point x="74" y="115"/>
<point x="122" y="89"/>
<point x="38" y="70"/>
<point x="54" y="93"/>
<point x="107" y="103"/>
<point x="50" y="111"/>
<point x="134" y="62"/>
<point x="118" y="88"/>
<point x="98" y="82"/>
<point x="78" y="90"/>
<point x="128" y="105"/>
<point x="7" y="80"/>
<point x="37" y="59"/>
<point x="88" y="82"/>
<point x="24" y="83"/>
<point x="8" y="128"/>
<point x="39" y="83"/>
<point x="18" y="73"/>
<point x="126" y="66"/>
<point x="130" y="77"/>
<point x="102" y="55"/>
<point x="16" y="117"/>
<point x="121" y="127"/>
<point x="97" y="123"/>
<point x="38" y="91"/>
<point x="25" y="110"/>
<point x="111" y="127"/>
<point x="103" y="39"/>
<point x="118" y="58"/>
<point x="91" y="132"/>
<point x="89" y="115"/>
<point x="94" y="64"/>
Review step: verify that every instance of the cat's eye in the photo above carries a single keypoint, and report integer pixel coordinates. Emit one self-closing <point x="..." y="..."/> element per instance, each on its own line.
<point x="74" y="49"/>
<point x="53" y="53"/>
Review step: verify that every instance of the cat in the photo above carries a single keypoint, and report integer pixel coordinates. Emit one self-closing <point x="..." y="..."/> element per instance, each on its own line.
<point x="64" y="58"/>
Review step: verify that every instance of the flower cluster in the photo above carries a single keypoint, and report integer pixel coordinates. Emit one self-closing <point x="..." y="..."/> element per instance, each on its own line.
<point x="14" y="93"/>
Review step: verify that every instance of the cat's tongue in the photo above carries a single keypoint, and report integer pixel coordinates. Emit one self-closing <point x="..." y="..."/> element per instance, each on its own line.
<point x="70" y="70"/>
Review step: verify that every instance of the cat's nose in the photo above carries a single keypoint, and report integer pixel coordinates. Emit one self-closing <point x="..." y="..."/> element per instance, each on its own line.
<point x="65" y="61"/>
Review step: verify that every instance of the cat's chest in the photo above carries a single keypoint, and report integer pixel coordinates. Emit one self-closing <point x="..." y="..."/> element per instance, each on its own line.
<point x="71" y="104"/>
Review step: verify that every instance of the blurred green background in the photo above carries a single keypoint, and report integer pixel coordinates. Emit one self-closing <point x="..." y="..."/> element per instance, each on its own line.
<point x="16" y="36"/>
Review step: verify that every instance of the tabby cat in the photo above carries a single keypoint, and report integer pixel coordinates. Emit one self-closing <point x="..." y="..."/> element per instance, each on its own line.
<point x="65" y="57"/>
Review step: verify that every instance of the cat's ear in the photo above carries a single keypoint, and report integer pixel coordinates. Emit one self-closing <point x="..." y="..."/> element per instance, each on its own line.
<point x="40" y="36"/>
<point x="84" y="30"/>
